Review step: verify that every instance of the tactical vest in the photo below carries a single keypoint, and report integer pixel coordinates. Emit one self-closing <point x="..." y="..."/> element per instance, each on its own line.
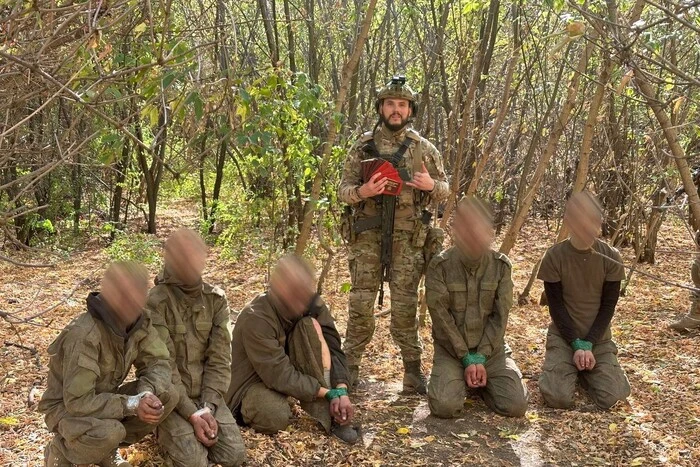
<point x="410" y="202"/>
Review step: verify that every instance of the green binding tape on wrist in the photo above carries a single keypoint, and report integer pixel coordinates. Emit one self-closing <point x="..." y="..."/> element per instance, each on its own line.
<point x="335" y="393"/>
<point x="580" y="344"/>
<point x="473" y="358"/>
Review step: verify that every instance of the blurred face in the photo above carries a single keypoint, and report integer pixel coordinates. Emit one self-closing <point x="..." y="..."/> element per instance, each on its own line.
<point x="473" y="231"/>
<point x="395" y="113"/>
<point x="293" y="286"/>
<point x="583" y="218"/>
<point x="125" y="295"/>
<point x="186" y="256"/>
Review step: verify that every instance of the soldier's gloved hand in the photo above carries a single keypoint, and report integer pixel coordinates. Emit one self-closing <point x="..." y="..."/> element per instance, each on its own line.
<point x="205" y="427"/>
<point x="475" y="376"/>
<point x="150" y="409"/>
<point x="584" y="360"/>
<point x="422" y="180"/>
<point x="375" y="186"/>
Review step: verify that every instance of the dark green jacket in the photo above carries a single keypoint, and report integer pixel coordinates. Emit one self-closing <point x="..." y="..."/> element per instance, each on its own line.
<point x="90" y="360"/>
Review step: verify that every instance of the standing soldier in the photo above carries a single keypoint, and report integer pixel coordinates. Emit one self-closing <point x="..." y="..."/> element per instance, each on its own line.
<point x="86" y="405"/>
<point x="387" y="234"/>
<point x="692" y="319"/>
<point x="192" y="318"/>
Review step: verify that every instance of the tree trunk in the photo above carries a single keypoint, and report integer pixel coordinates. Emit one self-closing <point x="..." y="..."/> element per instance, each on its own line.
<point x="559" y="125"/>
<point x="348" y="70"/>
<point x="671" y="135"/>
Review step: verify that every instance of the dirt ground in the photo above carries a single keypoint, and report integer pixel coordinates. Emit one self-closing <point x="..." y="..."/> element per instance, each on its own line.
<point x="659" y="425"/>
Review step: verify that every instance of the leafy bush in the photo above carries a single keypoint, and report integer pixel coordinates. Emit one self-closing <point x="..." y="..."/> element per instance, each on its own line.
<point x="139" y="247"/>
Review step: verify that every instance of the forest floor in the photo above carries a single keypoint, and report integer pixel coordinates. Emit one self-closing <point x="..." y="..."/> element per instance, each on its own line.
<point x="658" y="425"/>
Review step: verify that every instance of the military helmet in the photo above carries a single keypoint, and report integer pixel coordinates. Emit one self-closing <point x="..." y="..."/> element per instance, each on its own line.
<point x="397" y="89"/>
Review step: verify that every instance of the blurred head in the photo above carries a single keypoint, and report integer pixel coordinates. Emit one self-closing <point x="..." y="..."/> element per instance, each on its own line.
<point x="473" y="227"/>
<point x="186" y="256"/>
<point x="293" y="283"/>
<point x="124" y="288"/>
<point x="583" y="217"/>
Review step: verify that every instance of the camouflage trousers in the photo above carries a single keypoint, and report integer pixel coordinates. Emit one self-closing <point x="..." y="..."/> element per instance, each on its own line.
<point x="606" y="382"/>
<point x="89" y="440"/>
<point x="182" y="449"/>
<point x="268" y="411"/>
<point x="504" y="393"/>
<point x="365" y="273"/>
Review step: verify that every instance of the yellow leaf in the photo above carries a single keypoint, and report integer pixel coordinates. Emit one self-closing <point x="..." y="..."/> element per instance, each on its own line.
<point x="637" y="461"/>
<point x="403" y="430"/>
<point x="8" y="421"/>
<point x="140" y="28"/>
<point x="613" y="427"/>
<point x="429" y="439"/>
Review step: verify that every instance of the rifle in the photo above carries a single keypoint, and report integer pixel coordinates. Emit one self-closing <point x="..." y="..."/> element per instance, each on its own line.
<point x="385" y="220"/>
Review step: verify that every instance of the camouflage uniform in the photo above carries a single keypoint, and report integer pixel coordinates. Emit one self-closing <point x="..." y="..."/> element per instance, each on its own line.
<point x="194" y="322"/>
<point x="408" y="241"/>
<point x="469" y="302"/>
<point x="85" y="401"/>
<point x="275" y="357"/>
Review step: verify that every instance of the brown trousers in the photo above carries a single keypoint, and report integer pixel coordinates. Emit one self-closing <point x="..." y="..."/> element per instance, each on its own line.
<point x="268" y="411"/>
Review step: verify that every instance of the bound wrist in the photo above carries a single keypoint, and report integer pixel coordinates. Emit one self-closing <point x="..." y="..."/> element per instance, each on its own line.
<point x="473" y="358"/>
<point x="580" y="344"/>
<point x="335" y="393"/>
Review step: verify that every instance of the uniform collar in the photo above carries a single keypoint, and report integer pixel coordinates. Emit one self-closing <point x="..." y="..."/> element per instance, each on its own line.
<point x="101" y="311"/>
<point x="394" y="136"/>
<point x="470" y="263"/>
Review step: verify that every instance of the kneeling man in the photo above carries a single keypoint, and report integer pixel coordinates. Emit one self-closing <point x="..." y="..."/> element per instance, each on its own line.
<point x="469" y="293"/>
<point x="285" y="344"/>
<point x="86" y="405"/>
<point x="582" y="278"/>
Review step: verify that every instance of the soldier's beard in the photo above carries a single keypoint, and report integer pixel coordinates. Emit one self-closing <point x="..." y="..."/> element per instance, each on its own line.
<point x="394" y="126"/>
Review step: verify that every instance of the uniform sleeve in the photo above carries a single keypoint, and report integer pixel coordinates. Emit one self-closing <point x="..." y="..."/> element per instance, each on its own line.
<point x="608" y="302"/>
<point x="153" y="363"/>
<point x="352" y="176"/>
<point x="614" y="270"/>
<point x="549" y="272"/>
<point x="185" y="407"/>
<point x="433" y="162"/>
<point x="217" y="366"/>
<point x="272" y="364"/>
<point x="339" y="363"/>
<point x="557" y="311"/>
<point x="80" y="375"/>
<point x="495" y="328"/>
<point x="438" y="299"/>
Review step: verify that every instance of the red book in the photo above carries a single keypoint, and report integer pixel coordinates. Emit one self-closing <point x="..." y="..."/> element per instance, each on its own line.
<point x="372" y="166"/>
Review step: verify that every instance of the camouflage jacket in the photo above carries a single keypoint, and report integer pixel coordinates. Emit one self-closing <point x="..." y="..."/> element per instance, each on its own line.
<point x="388" y="142"/>
<point x="90" y="360"/>
<point x="469" y="301"/>
<point x="196" y="329"/>
<point x="259" y="352"/>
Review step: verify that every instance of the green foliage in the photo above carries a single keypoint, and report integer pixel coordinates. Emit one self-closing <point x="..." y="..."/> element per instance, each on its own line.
<point x="139" y="247"/>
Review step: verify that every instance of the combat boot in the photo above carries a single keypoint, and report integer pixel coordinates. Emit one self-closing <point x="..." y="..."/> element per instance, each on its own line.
<point x="53" y="457"/>
<point x="354" y="371"/>
<point x="114" y="460"/>
<point x="346" y="433"/>
<point x="414" y="381"/>
<point x="686" y="323"/>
